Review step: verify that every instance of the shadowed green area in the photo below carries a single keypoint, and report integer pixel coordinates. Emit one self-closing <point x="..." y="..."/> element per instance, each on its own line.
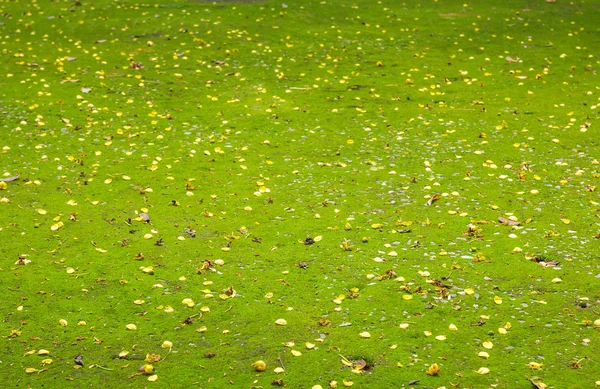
<point x="288" y="155"/>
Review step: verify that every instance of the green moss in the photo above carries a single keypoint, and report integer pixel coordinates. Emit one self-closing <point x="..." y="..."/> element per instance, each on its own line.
<point x="242" y="129"/>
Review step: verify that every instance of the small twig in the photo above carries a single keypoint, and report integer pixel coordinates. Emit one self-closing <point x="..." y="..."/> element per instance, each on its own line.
<point x="280" y="361"/>
<point x="228" y="309"/>
<point x="170" y="348"/>
<point x="101" y="367"/>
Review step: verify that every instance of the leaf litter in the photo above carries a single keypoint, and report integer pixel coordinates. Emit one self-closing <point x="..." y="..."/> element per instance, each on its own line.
<point x="214" y="122"/>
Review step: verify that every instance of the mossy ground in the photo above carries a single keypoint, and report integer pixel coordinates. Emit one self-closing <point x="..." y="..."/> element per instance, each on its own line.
<point x="261" y="124"/>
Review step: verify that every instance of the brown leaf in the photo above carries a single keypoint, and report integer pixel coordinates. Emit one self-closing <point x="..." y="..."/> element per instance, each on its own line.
<point x="433" y="199"/>
<point x="537" y="384"/>
<point x="361" y="364"/>
<point x="508" y="222"/>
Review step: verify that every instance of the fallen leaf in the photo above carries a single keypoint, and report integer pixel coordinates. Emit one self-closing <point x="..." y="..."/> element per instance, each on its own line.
<point x="433" y="370"/>
<point x="9" y="179"/>
<point x="433" y="199"/>
<point x="508" y="222"/>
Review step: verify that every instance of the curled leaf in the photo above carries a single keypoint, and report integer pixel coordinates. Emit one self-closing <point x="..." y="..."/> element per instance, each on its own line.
<point x="433" y="199"/>
<point x="433" y="370"/>
<point x="9" y="179"/>
<point x="508" y="222"/>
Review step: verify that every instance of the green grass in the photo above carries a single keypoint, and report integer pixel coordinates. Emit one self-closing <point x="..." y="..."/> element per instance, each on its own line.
<point x="258" y="126"/>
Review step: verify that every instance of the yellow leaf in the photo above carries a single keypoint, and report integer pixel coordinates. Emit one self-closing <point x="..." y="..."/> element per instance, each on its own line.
<point x="43" y="352"/>
<point x="364" y="335"/>
<point x="309" y="345"/>
<point x="31" y="370"/>
<point x="483" y="371"/>
<point x="167" y="344"/>
<point x="441" y="337"/>
<point x="489" y="345"/>
<point x="535" y="365"/>
<point x="404" y="325"/>
<point x="483" y="354"/>
<point x="296" y="353"/>
<point x="63" y="322"/>
<point x="566" y="221"/>
<point x="47" y="361"/>
<point x="452" y="327"/>
<point x="278" y="370"/>
<point x="259" y="365"/>
<point x="498" y="300"/>
<point x="153" y="378"/>
<point x="131" y="327"/>
<point x="189" y="302"/>
<point x="347" y="383"/>
<point x="407" y="297"/>
<point x="433" y="370"/>
<point x="281" y="322"/>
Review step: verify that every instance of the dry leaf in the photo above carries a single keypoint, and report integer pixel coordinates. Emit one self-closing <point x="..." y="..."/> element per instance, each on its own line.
<point x="433" y="370"/>
<point x="508" y="222"/>
<point x="9" y="179"/>
<point x="433" y="199"/>
<point x="259" y="365"/>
